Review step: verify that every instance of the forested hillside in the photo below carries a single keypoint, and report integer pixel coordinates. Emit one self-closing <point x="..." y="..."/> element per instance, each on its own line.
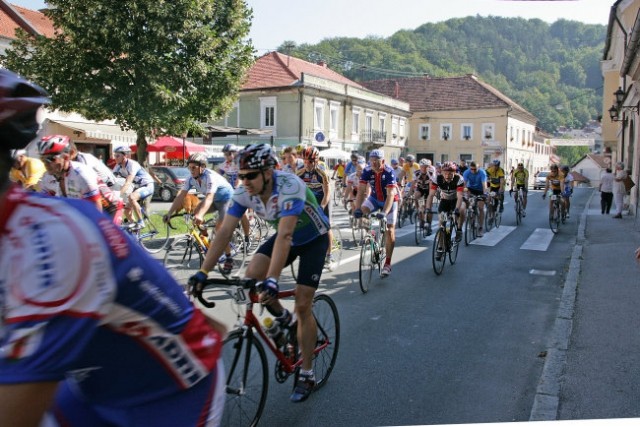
<point x="550" y="69"/>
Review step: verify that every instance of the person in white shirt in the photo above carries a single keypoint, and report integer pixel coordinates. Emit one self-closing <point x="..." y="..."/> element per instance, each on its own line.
<point x="606" y="191"/>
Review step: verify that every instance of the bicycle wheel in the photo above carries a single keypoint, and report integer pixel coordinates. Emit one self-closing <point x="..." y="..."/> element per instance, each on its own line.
<point x="498" y="218"/>
<point x="411" y="213"/>
<point x="238" y="254"/>
<point x="356" y="230"/>
<point x="401" y="215"/>
<point x="418" y="232"/>
<point x="336" y="248"/>
<point x="518" y="212"/>
<point x="469" y="233"/>
<point x="183" y="259"/>
<point x="367" y="264"/>
<point x="245" y="363"/>
<point x="489" y="219"/>
<point x="453" y="246"/>
<point x="154" y="236"/>
<point x="554" y="219"/>
<point x="328" y="332"/>
<point x="438" y="254"/>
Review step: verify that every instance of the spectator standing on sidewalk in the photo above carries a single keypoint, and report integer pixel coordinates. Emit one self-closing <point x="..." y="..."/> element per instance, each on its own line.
<point x="606" y="191"/>
<point x="618" y="188"/>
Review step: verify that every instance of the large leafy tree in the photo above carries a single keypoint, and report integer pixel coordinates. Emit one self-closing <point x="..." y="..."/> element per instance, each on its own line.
<point x="155" y="66"/>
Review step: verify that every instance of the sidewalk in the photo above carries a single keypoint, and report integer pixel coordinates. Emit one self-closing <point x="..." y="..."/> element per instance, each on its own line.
<point x="592" y="369"/>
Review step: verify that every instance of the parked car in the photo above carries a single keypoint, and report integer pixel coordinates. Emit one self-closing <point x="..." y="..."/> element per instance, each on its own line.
<point x="172" y="178"/>
<point x="540" y="180"/>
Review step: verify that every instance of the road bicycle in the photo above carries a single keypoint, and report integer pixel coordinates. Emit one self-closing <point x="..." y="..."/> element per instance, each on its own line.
<point x="372" y="253"/>
<point x="338" y="192"/>
<point x="333" y="261"/>
<point x="154" y="236"/>
<point x="493" y="216"/>
<point x="519" y="205"/>
<point x="472" y="222"/>
<point x="186" y="254"/>
<point x="558" y="213"/>
<point x="445" y="242"/>
<point x="244" y="354"/>
<point x="421" y="227"/>
<point x="406" y="211"/>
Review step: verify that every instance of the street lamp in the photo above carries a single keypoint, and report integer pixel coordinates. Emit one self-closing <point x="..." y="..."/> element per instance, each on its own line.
<point x="619" y="94"/>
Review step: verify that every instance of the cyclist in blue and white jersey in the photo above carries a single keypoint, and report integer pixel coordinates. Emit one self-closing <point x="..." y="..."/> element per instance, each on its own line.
<point x="384" y="197"/>
<point x="285" y="201"/>
<point x="291" y="160"/>
<point x="567" y="188"/>
<point x="475" y="181"/>
<point x="93" y="331"/>
<point x="136" y="177"/>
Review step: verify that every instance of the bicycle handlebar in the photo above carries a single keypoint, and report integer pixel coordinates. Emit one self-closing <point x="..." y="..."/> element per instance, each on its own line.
<point x="218" y="281"/>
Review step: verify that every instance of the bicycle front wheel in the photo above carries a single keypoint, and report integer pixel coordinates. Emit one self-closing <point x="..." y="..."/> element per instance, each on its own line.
<point x="366" y="264"/>
<point x="498" y="218"/>
<point x="438" y="254"/>
<point x="401" y="215"/>
<point x="238" y="252"/>
<point x="154" y="236"/>
<point x="489" y="219"/>
<point x="453" y="247"/>
<point x="469" y="232"/>
<point x="418" y="231"/>
<point x="183" y="258"/>
<point x="247" y="376"/>
<point x="554" y="220"/>
<point x="328" y="341"/>
<point x="518" y="211"/>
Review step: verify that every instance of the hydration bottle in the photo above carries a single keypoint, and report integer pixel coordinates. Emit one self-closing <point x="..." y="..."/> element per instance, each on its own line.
<point x="274" y="331"/>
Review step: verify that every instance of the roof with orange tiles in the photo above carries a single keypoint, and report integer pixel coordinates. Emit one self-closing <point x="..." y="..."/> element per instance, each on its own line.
<point x="444" y="94"/>
<point x="37" y="19"/>
<point x="278" y="70"/>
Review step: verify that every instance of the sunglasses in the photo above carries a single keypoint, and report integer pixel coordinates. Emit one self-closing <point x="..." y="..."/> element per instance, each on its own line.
<point x="50" y="158"/>
<point x="473" y="169"/>
<point x="250" y="176"/>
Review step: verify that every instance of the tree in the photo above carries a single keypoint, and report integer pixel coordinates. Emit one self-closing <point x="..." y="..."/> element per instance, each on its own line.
<point x="155" y="66"/>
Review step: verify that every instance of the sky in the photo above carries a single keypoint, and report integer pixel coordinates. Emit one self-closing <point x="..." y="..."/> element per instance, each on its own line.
<point x="310" y="21"/>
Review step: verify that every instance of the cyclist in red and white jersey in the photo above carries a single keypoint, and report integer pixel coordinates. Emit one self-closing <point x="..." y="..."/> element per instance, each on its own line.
<point x="135" y="177"/>
<point x="93" y="331"/>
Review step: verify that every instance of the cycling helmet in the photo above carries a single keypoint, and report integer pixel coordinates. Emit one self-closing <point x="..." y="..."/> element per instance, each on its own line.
<point x="377" y="153"/>
<point x="199" y="158"/>
<point x="425" y="162"/>
<point x="54" y="144"/>
<point x="257" y="156"/>
<point x="122" y="150"/>
<point x="361" y="160"/>
<point x="311" y="154"/>
<point x="411" y="158"/>
<point x="449" y="166"/>
<point x="496" y="162"/>
<point x="565" y="169"/>
<point x="17" y="153"/>
<point x="230" y="148"/>
<point x="394" y="161"/>
<point x="300" y="148"/>
<point x="19" y="103"/>
<point x="553" y="166"/>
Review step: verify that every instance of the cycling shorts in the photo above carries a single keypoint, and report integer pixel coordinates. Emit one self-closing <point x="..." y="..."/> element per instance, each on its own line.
<point x="447" y="205"/>
<point x="373" y="205"/>
<point x="144" y="191"/>
<point x="421" y="192"/>
<point x="567" y="193"/>
<point x="478" y="193"/>
<point x="311" y="256"/>
<point x="201" y="405"/>
<point x="522" y="187"/>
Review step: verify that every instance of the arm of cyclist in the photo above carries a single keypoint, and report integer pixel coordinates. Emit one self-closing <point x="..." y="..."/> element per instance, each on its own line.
<point x="24" y="405"/>
<point x="388" y="204"/>
<point x="360" y="196"/>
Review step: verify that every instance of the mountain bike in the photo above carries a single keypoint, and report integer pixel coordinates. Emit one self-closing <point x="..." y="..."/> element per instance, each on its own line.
<point x="244" y="355"/>
<point x="472" y="222"/>
<point x="338" y="192"/>
<point x="445" y="243"/>
<point x="154" y="236"/>
<point x="372" y="253"/>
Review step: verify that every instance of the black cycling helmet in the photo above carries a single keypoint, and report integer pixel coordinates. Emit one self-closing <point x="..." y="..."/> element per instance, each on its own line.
<point x="257" y="156"/>
<point x="19" y="103"/>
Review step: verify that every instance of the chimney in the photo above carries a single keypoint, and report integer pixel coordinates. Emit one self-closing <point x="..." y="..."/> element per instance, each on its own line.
<point x="322" y="63"/>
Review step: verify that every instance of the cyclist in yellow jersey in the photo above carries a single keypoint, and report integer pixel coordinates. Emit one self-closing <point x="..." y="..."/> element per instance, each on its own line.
<point x="26" y="171"/>
<point x="520" y="180"/>
<point x="338" y="171"/>
<point x="555" y="181"/>
<point x="496" y="180"/>
<point x="410" y="168"/>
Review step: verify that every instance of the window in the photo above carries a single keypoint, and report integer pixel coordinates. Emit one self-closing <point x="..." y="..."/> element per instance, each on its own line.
<point x="466" y="130"/>
<point x="488" y="131"/>
<point x="268" y="112"/>
<point x="318" y="116"/>
<point x="394" y="128"/>
<point x="355" y="126"/>
<point x="381" y="126"/>
<point x="425" y="132"/>
<point x="445" y="132"/>
<point x="466" y="157"/>
<point x="333" y="119"/>
<point x="444" y="158"/>
<point x="402" y="131"/>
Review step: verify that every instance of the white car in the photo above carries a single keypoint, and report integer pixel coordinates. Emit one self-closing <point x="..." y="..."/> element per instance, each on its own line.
<point x="540" y="180"/>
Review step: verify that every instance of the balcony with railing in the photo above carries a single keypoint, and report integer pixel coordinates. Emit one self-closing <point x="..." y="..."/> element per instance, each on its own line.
<point x="373" y="137"/>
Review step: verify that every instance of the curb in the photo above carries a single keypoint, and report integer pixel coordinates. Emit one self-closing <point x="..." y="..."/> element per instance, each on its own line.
<point x="547" y="397"/>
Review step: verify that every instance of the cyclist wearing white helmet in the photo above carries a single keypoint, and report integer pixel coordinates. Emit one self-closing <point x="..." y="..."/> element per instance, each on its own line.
<point x="286" y="202"/>
<point x="384" y="197"/>
<point x="136" y="178"/>
<point x="25" y="170"/>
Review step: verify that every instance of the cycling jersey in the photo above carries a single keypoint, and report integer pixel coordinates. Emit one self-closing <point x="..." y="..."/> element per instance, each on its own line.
<point x="100" y="316"/>
<point x="568" y="187"/>
<point x="475" y="180"/>
<point x="141" y="177"/>
<point x="229" y="170"/>
<point x="409" y="171"/>
<point x="448" y="190"/>
<point x="555" y="181"/>
<point x="104" y="173"/>
<point x="494" y="174"/>
<point x="210" y="182"/>
<point x="521" y="177"/>
<point x="33" y="170"/>
<point x="422" y="180"/>
<point x="350" y="167"/>
<point x="314" y="179"/>
<point x="353" y="180"/>
<point x="379" y="182"/>
<point x="290" y="197"/>
<point x="339" y="171"/>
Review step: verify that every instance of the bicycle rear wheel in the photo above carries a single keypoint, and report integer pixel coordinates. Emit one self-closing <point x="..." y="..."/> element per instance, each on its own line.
<point x="238" y="254"/>
<point x="489" y="219"/>
<point x="245" y="363"/>
<point x="438" y="254"/>
<point x="367" y="264"/>
<point x="154" y="236"/>
<point x="183" y="258"/>
<point x="328" y="333"/>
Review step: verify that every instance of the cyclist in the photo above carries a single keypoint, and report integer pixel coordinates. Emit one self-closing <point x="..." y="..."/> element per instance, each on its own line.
<point x="284" y="200"/>
<point x="229" y="170"/>
<point x="351" y="166"/>
<point x="451" y="187"/>
<point x="351" y="190"/>
<point x="384" y="197"/>
<point x="104" y="173"/>
<point x="94" y="331"/>
<point x="291" y="160"/>
<point x="410" y="168"/>
<point x="217" y="195"/>
<point x="567" y="188"/>
<point x="496" y="177"/>
<point x="73" y="179"/>
<point x="318" y="181"/>
<point x="396" y="168"/>
<point x="422" y="182"/>
<point x="475" y="181"/>
<point x="137" y="179"/>
<point x="26" y="171"/>
<point x="554" y="181"/>
<point x="338" y="171"/>
<point x="520" y="180"/>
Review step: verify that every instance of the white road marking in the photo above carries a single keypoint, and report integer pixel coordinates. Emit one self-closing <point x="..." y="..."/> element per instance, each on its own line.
<point x="494" y="236"/>
<point x="539" y="240"/>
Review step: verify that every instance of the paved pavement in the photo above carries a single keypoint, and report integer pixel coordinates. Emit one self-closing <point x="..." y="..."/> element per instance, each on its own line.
<point x="591" y="368"/>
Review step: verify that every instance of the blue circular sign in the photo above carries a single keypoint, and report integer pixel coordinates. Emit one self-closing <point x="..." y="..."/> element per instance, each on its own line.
<point x="319" y="137"/>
